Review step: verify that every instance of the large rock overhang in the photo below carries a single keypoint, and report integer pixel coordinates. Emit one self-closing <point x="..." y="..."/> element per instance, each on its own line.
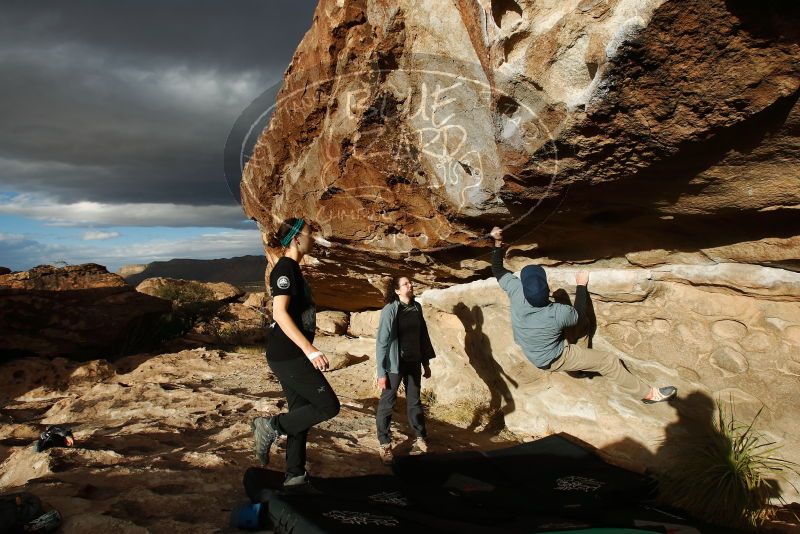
<point x="599" y="130"/>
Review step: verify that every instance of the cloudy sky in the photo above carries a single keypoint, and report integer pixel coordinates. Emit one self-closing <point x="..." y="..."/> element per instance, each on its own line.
<point x="115" y="117"/>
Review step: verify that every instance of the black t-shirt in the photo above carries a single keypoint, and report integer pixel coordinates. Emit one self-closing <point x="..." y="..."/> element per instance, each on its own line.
<point x="409" y="322"/>
<point x="287" y="279"/>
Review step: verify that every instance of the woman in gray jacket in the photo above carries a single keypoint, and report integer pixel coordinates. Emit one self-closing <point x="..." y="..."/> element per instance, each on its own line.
<point x="403" y="352"/>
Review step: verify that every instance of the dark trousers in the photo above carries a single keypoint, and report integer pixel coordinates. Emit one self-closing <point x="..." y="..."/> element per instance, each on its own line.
<point x="411" y="376"/>
<point x="311" y="400"/>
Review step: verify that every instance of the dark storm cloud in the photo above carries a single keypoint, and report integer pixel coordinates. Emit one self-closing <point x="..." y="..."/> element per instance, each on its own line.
<point x="121" y="102"/>
<point x="235" y="35"/>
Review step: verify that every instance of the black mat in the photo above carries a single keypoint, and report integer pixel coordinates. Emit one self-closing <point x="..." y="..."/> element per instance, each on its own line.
<point x="547" y="475"/>
<point x="549" y="485"/>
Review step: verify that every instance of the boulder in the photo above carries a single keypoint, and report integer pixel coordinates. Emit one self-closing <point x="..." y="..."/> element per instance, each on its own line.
<point x="655" y="143"/>
<point x="346" y="351"/>
<point x="256" y="300"/>
<point x="131" y="269"/>
<point x="78" y="311"/>
<point x="69" y="278"/>
<point x="332" y="322"/>
<point x="340" y="360"/>
<point x="364" y="324"/>
<point x="664" y="120"/>
<point x="719" y="334"/>
<point x="232" y="324"/>
<point x="212" y="291"/>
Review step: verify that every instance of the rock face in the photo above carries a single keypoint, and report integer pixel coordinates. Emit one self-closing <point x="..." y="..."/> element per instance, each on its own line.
<point x="221" y="320"/>
<point x="71" y="277"/>
<point x="734" y="344"/>
<point x="595" y="129"/>
<point x="79" y="311"/>
<point x="656" y="142"/>
<point x="256" y="300"/>
<point x="232" y="324"/>
<point x="364" y="324"/>
<point x="331" y="322"/>
<point x="218" y="291"/>
<point x="131" y="269"/>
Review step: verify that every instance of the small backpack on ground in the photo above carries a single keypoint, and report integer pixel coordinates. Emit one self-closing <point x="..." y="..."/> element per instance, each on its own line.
<point x="24" y="512"/>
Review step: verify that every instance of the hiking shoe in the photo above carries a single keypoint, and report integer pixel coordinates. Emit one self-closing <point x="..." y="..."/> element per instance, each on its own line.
<point x="387" y="456"/>
<point x="299" y="485"/>
<point x="660" y="394"/>
<point x="420" y="446"/>
<point x="264" y="435"/>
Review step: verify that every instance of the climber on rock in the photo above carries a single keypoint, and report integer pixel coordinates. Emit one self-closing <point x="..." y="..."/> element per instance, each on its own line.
<point x="541" y="328"/>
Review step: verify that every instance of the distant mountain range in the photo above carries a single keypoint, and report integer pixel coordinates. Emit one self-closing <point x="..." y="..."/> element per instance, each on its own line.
<point x="245" y="272"/>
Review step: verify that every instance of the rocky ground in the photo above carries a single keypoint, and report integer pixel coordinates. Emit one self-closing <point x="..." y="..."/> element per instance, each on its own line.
<point x="163" y="438"/>
<point x="162" y="441"/>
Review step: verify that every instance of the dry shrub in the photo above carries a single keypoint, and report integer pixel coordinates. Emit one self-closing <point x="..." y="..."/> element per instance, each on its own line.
<point x="428" y="398"/>
<point x="722" y="476"/>
<point x="471" y="411"/>
<point x="249" y="349"/>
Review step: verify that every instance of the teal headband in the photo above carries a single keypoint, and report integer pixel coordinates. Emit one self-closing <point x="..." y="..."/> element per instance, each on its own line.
<point x="293" y="232"/>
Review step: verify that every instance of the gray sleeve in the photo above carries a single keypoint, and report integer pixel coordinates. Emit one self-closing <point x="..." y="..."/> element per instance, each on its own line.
<point x="566" y="316"/>
<point x="510" y="284"/>
<point x="382" y="342"/>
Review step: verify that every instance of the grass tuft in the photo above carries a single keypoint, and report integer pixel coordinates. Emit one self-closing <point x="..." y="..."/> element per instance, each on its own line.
<point x="249" y="349"/>
<point x="428" y="398"/>
<point x="722" y="476"/>
<point x="471" y="412"/>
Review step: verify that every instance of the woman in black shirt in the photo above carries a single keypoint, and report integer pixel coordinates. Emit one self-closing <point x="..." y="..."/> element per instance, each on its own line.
<point x="292" y="357"/>
<point x="403" y="351"/>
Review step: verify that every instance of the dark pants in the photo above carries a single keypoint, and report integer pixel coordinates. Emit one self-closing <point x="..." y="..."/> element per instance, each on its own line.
<point x="411" y="376"/>
<point x="311" y="400"/>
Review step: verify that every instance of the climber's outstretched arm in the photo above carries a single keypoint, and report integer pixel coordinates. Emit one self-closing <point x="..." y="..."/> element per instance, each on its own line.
<point x="499" y="252"/>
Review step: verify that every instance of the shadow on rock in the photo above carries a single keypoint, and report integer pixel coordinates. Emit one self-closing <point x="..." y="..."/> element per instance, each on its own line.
<point x="696" y="465"/>
<point x="478" y="347"/>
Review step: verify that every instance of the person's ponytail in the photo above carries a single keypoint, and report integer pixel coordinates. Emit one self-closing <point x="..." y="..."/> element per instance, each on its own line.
<point x="284" y="229"/>
<point x="392" y="285"/>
